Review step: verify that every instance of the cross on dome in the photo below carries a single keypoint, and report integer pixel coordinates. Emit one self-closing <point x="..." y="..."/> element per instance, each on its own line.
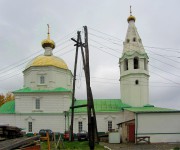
<point x="131" y="17"/>
<point x="48" y="42"/>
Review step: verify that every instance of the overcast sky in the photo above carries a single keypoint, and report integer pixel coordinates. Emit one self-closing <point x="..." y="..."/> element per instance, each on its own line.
<point x="23" y="25"/>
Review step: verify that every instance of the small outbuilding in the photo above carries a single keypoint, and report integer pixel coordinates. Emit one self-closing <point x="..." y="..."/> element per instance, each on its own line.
<point x="150" y="124"/>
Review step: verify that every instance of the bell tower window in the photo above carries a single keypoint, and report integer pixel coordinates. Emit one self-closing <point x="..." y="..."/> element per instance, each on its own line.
<point x="136" y="63"/>
<point x="137" y="82"/>
<point x="134" y="39"/>
<point x="145" y="64"/>
<point x="125" y="64"/>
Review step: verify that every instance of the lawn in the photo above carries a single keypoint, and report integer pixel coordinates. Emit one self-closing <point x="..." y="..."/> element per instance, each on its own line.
<point x="76" y="145"/>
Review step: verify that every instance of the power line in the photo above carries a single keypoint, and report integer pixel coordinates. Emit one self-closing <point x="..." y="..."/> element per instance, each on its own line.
<point x="166" y="78"/>
<point x="132" y="84"/>
<point x="154" y="47"/>
<point x="106" y="34"/>
<point x="166" y="57"/>
<point x="164" y="62"/>
<point x="116" y="50"/>
<point x="128" y="81"/>
<point x="103" y="51"/>
<point x="164" y="71"/>
<point x="163" y="55"/>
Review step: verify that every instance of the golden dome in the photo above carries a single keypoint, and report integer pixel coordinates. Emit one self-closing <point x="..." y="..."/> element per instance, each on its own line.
<point x="131" y="18"/>
<point x="47" y="61"/>
<point x="48" y="42"/>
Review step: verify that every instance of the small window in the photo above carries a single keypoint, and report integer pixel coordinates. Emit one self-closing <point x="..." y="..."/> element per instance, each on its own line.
<point x="109" y="125"/>
<point x="30" y="126"/>
<point x="127" y="40"/>
<point x="80" y="126"/>
<point x="137" y="82"/>
<point x="134" y="39"/>
<point x="145" y="64"/>
<point x="125" y="64"/>
<point x="37" y="103"/>
<point x="136" y="63"/>
<point x="42" y="79"/>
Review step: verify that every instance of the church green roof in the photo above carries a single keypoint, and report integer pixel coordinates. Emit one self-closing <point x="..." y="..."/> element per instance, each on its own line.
<point x="8" y="108"/>
<point x="101" y="105"/>
<point x="150" y="109"/>
<point x="29" y="90"/>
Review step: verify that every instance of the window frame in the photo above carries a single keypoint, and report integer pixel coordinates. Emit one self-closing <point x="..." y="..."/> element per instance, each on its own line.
<point x="29" y="126"/>
<point x="37" y="103"/>
<point x="42" y="79"/>
<point x="80" y="126"/>
<point x="136" y="62"/>
<point x="109" y="125"/>
<point x="145" y="64"/>
<point x="126" y="64"/>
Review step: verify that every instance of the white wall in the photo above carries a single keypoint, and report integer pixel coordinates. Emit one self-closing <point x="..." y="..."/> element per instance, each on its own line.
<point x="132" y="94"/>
<point x="54" y="77"/>
<point x="102" y="121"/>
<point x="55" y="122"/>
<point x="49" y="102"/>
<point x="161" y="127"/>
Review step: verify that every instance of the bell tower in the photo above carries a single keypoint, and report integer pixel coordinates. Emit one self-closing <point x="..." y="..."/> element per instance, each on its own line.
<point x="134" y="74"/>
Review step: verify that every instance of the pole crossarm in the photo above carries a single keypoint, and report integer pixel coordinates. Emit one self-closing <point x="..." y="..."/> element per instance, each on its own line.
<point x="85" y="105"/>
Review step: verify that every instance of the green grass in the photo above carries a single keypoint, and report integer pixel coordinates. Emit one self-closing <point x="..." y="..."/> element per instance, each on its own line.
<point x="76" y="145"/>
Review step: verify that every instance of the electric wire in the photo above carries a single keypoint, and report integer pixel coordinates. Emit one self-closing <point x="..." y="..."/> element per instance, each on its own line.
<point x="109" y="39"/>
<point x="154" y="47"/>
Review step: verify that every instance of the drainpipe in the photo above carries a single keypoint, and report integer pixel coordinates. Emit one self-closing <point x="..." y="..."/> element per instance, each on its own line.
<point x="136" y="131"/>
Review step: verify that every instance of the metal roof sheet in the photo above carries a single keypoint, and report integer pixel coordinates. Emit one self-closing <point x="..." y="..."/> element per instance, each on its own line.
<point x="150" y="109"/>
<point x="8" y="108"/>
<point x="101" y="105"/>
<point x="29" y="90"/>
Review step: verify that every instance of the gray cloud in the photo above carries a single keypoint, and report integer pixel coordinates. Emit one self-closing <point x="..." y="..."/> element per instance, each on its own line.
<point x="23" y="27"/>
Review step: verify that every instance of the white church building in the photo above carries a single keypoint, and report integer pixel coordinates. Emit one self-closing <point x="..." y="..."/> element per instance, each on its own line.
<point x="45" y="99"/>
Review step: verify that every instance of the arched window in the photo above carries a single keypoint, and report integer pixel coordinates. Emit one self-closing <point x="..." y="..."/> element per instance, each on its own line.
<point x="134" y="39"/>
<point x="145" y="64"/>
<point x="42" y="79"/>
<point x="127" y="40"/>
<point x="136" y="63"/>
<point x="125" y="64"/>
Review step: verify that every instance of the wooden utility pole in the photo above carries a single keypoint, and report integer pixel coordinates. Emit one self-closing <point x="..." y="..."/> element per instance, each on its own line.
<point x="92" y="124"/>
<point x="74" y="85"/>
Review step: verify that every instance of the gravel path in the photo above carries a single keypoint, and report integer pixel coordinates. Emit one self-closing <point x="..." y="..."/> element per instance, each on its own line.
<point x="157" y="146"/>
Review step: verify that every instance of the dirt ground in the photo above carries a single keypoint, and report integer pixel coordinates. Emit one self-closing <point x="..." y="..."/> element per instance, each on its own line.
<point x="143" y="146"/>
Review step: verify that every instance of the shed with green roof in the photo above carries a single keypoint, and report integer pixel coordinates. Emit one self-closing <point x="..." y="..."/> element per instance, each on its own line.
<point x="158" y="124"/>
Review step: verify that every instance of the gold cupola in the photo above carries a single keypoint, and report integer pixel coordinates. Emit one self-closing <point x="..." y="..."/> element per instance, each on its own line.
<point x="48" y="42"/>
<point x="131" y="17"/>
